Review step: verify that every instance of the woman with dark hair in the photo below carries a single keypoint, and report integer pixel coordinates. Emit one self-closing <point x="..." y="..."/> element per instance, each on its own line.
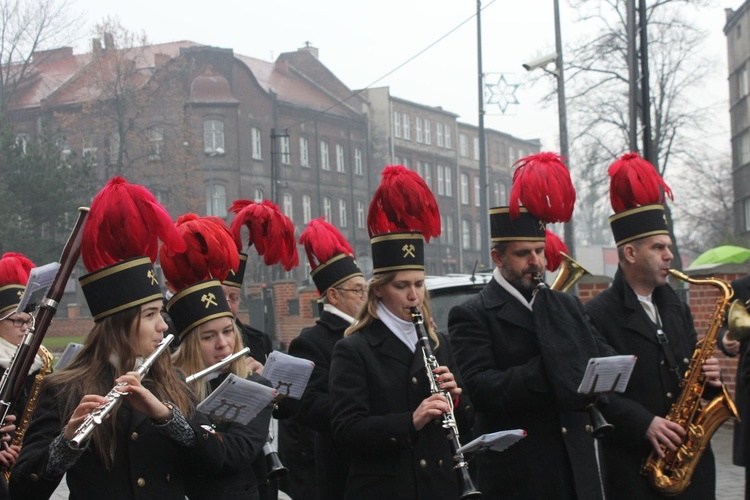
<point x="152" y="440"/>
<point x="383" y="411"/>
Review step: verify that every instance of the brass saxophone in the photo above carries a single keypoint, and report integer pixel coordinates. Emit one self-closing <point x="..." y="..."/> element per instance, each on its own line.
<point x="45" y="370"/>
<point x="671" y="474"/>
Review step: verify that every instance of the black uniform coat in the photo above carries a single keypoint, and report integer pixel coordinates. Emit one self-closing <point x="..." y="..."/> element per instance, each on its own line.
<point x="741" y="448"/>
<point x="652" y="389"/>
<point x="316" y="344"/>
<point x="243" y="444"/>
<point x="499" y="356"/>
<point x="376" y="384"/>
<point x="147" y="464"/>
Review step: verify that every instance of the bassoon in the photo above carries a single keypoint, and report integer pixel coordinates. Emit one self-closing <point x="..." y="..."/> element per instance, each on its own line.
<point x="13" y="379"/>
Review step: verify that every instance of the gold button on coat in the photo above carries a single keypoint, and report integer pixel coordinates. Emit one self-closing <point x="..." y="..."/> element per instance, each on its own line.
<point x="141" y="482"/>
<point x="423" y="463"/>
<point x="564" y="430"/>
<point x="414" y="380"/>
<point x="134" y="436"/>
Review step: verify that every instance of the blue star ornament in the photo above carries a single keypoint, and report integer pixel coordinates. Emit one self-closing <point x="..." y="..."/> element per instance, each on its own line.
<point x="502" y="93"/>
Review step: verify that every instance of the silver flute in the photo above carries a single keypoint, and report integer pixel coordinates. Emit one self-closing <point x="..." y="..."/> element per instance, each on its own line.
<point x="96" y="417"/>
<point x="221" y="364"/>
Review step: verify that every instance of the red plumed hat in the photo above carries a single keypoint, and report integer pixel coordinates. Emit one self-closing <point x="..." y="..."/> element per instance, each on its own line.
<point x="403" y="215"/>
<point x="542" y="184"/>
<point x="269" y="230"/>
<point x="331" y="257"/>
<point x="552" y="249"/>
<point x="210" y="252"/>
<point x="637" y="193"/>
<point x="119" y="244"/>
<point x="14" y="274"/>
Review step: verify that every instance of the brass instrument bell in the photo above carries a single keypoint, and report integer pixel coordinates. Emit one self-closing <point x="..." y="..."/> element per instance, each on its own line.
<point x="570" y="272"/>
<point x="738" y="321"/>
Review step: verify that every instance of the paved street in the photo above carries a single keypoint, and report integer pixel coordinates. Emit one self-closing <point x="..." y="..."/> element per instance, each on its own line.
<point x="730" y="480"/>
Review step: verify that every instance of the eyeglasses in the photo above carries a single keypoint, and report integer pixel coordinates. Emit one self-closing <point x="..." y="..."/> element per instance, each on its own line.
<point x="18" y="322"/>
<point x="232" y="299"/>
<point x="359" y="292"/>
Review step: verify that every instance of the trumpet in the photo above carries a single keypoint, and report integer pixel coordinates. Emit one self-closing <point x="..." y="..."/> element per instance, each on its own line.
<point x="466" y="486"/>
<point x="96" y="417"/>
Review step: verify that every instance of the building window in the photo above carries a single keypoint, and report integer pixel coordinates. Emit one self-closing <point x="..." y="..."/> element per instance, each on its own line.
<point x="427" y="132"/>
<point x="744" y="149"/>
<point x="340" y="159"/>
<point x="216" y="200"/>
<point x="478" y="235"/>
<point x="511" y="155"/>
<point x="476" y="148"/>
<point x="22" y="141"/>
<point x="407" y="127"/>
<point x="257" y="143"/>
<point x="304" y="158"/>
<point x="465" y="234"/>
<point x="440" y="134"/>
<point x="89" y="149"/>
<point x="463" y="146"/>
<point x="155" y="143"/>
<point x="441" y="179"/>
<point x="448" y="181"/>
<point x="420" y="135"/>
<point x="325" y="163"/>
<point x="449" y="230"/>
<point x="742" y="82"/>
<point x="258" y="195"/>
<point x="477" y="191"/>
<point x="358" y="167"/>
<point x="464" y="189"/>
<point x="342" y="213"/>
<point x="427" y="175"/>
<point x="396" y="124"/>
<point x="406" y="162"/>
<point x="747" y="215"/>
<point x="499" y="194"/>
<point x="65" y="150"/>
<point x="306" y="209"/>
<point x="286" y="150"/>
<point x="448" y="142"/>
<point x="288" y="205"/>
<point x="361" y="214"/>
<point x="327" y="208"/>
<point x="213" y="137"/>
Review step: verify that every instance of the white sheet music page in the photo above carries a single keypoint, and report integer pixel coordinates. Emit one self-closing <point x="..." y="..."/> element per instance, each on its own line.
<point x="68" y="354"/>
<point x="236" y="400"/>
<point x="494" y="441"/>
<point x="607" y="374"/>
<point x="288" y="375"/>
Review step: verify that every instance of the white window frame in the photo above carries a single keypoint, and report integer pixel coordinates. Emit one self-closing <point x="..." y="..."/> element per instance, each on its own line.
<point x="742" y="82"/>
<point x="476" y="148"/>
<point x="464" y="188"/>
<point x="342" y="213"/>
<point x="448" y="142"/>
<point x="286" y="150"/>
<point x="465" y="234"/>
<point x="304" y="153"/>
<point x="463" y="145"/>
<point x="397" y="124"/>
<point x="259" y="195"/>
<point x="306" y="208"/>
<point x="427" y="131"/>
<point x="448" y="181"/>
<point x="440" y="179"/>
<point x="327" y="208"/>
<point x="340" y="159"/>
<point x="155" y="143"/>
<point x="440" y="134"/>
<point x="325" y="162"/>
<point x="358" y="165"/>
<point x="288" y="205"/>
<point x="407" y="127"/>
<point x="428" y="174"/>
<point x="216" y="200"/>
<point x="213" y="137"/>
<point x="449" y="229"/>
<point x="420" y="135"/>
<point x="477" y="191"/>
<point x="257" y="143"/>
<point x="360" y="214"/>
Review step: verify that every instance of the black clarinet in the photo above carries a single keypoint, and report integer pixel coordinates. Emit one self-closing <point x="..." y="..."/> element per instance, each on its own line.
<point x="466" y="486"/>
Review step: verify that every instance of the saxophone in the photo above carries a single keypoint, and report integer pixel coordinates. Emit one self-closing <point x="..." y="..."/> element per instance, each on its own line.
<point x="671" y="474"/>
<point x="45" y="370"/>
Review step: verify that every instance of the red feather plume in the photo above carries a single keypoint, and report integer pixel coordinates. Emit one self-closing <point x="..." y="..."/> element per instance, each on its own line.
<point x="635" y="182"/>
<point x="15" y="269"/>
<point x="210" y="252"/>
<point x="125" y="221"/>
<point x="553" y="246"/>
<point x="542" y="184"/>
<point x="269" y="230"/>
<point x="322" y="241"/>
<point x="403" y="202"/>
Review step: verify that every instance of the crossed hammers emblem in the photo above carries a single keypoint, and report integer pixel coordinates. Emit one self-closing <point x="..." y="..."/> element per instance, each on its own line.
<point x="209" y="299"/>
<point x="409" y="251"/>
<point x="152" y="275"/>
<point x="542" y="225"/>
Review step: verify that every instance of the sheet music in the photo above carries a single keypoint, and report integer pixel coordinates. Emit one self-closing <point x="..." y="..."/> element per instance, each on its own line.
<point x="288" y="374"/>
<point x="40" y="279"/>
<point x="602" y="374"/>
<point x="236" y="400"/>
<point x="70" y="352"/>
<point x="495" y="441"/>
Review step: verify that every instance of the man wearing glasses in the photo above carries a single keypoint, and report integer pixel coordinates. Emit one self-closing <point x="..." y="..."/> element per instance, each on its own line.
<point x="343" y="290"/>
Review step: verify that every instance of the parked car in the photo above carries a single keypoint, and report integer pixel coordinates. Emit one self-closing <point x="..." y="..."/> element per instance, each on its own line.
<point x="450" y="290"/>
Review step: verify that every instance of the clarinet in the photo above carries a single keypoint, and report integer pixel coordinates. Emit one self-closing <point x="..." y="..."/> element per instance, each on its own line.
<point x="466" y="486"/>
<point x="97" y="416"/>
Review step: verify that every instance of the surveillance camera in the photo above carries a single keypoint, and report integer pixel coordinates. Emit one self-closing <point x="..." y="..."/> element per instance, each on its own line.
<point x="540" y="62"/>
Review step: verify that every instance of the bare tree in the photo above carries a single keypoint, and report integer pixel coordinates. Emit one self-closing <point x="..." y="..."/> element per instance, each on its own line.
<point x="28" y="27"/>
<point x="597" y="83"/>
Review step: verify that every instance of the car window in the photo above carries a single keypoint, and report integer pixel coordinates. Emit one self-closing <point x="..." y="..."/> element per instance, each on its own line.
<point x="442" y="300"/>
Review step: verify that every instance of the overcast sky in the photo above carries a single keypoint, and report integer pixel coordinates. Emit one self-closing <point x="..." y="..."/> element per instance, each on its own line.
<point x="362" y="41"/>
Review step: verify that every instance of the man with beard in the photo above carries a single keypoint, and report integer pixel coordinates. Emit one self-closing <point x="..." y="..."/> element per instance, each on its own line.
<point x="502" y="337"/>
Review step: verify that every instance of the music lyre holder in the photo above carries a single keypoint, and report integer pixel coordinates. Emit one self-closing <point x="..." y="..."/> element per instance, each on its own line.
<point x="599" y="425"/>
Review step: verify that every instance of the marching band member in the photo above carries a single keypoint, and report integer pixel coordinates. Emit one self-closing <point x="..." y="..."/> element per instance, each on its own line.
<point x="205" y="325"/>
<point x="152" y="440"/>
<point x="521" y="367"/>
<point x="632" y="314"/>
<point x="343" y="289"/>
<point x="383" y="411"/>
